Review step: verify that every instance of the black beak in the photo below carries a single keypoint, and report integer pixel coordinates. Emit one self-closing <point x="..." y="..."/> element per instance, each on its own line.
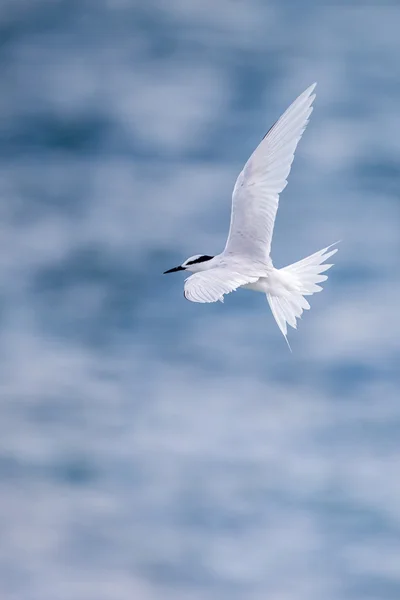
<point x="174" y="270"/>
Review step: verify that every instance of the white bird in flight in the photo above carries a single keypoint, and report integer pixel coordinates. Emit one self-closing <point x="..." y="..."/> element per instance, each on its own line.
<point x="245" y="262"/>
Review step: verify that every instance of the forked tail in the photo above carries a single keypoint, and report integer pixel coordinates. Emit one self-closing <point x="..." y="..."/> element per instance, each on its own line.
<point x="298" y="280"/>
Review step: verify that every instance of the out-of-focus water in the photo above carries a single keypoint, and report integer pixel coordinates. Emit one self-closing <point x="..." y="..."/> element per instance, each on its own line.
<point x="155" y="449"/>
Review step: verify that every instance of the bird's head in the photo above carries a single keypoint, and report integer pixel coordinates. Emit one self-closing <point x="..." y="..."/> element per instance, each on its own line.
<point x="194" y="264"/>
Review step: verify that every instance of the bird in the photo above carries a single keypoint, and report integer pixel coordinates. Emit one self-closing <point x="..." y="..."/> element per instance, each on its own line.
<point x="245" y="261"/>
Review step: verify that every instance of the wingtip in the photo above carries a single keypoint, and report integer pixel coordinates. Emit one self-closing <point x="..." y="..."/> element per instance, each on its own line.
<point x="332" y="246"/>
<point x="308" y="95"/>
<point x="308" y="91"/>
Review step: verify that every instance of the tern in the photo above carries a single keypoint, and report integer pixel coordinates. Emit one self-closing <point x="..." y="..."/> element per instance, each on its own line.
<point x="245" y="261"/>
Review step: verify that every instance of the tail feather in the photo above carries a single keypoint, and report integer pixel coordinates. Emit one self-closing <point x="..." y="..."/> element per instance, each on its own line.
<point x="298" y="280"/>
<point x="279" y="315"/>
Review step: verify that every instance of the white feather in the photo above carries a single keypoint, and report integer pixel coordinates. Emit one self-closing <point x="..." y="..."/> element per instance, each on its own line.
<point x="210" y="286"/>
<point x="256" y="193"/>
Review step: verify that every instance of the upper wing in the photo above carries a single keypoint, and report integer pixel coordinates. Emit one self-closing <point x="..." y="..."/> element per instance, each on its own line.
<point x="211" y="285"/>
<point x="256" y="193"/>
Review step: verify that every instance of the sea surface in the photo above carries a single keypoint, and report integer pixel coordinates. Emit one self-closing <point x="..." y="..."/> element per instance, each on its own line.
<point x="157" y="449"/>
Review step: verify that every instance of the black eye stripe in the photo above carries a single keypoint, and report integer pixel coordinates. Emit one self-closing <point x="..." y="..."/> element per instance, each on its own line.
<point x="199" y="260"/>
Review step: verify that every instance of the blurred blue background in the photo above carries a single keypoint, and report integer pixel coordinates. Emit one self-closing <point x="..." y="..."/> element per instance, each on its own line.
<point x="155" y="449"/>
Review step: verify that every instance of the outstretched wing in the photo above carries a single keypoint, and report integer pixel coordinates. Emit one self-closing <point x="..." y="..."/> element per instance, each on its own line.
<point x="256" y="193"/>
<point x="211" y="285"/>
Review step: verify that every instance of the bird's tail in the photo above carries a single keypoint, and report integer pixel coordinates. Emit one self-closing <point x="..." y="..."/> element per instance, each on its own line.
<point x="296" y="281"/>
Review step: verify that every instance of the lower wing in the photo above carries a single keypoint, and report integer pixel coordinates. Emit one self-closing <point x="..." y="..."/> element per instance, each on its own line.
<point x="212" y="285"/>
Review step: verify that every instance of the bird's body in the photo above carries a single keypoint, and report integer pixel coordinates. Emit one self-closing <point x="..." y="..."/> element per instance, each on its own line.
<point x="245" y="262"/>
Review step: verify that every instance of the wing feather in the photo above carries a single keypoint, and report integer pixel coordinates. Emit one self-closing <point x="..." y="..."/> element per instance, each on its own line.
<point x="256" y="192"/>
<point x="211" y="285"/>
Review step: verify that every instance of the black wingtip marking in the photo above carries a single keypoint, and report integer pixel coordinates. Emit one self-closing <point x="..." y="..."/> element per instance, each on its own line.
<point x="270" y="129"/>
